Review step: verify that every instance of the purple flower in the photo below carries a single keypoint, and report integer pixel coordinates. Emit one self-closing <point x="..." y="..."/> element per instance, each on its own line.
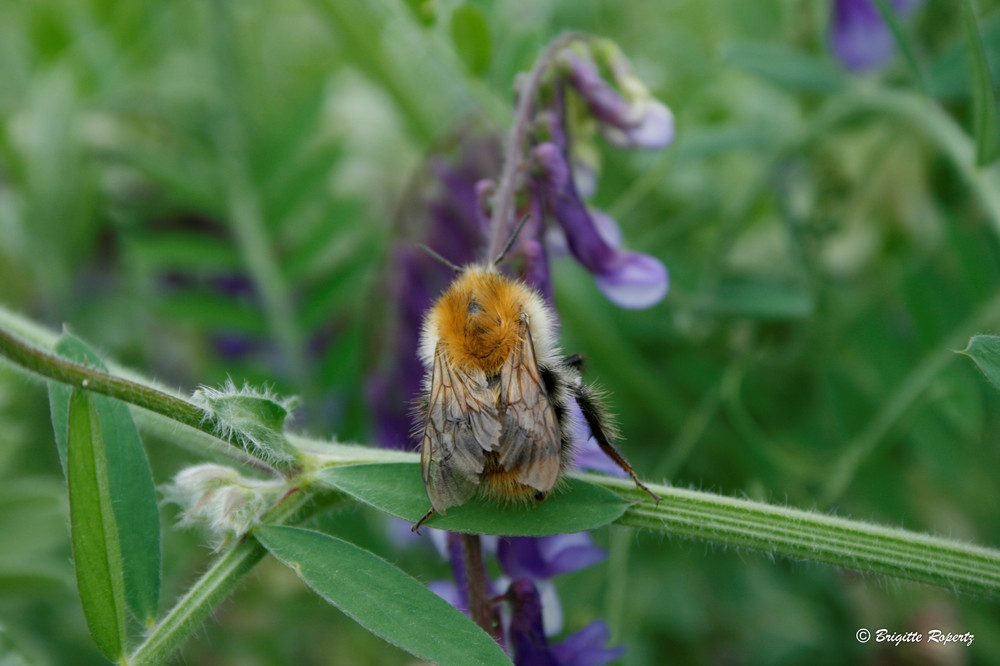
<point x="628" y="279"/>
<point x="586" y="647"/>
<point x="545" y="557"/>
<point x="587" y="453"/>
<point x="860" y="37"/>
<point x="530" y="644"/>
<point x="635" y="120"/>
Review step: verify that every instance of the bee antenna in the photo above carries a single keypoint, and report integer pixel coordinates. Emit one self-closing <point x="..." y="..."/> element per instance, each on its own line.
<point x="439" y="258"/>
<point x="513" y="237"/>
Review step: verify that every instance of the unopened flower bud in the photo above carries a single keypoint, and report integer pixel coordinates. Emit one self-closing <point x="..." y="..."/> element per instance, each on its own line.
<point x="222" y="501"/>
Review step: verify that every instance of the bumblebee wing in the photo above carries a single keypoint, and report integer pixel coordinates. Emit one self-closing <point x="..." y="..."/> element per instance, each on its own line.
<point x="531" y="439"/>
<point x="462" y="422"/>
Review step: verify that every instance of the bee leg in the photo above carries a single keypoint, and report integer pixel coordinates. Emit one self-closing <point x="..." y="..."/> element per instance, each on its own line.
<point x="416" y="526"/>
<point x="592" y="414"/>
<point x="574" y="361"/>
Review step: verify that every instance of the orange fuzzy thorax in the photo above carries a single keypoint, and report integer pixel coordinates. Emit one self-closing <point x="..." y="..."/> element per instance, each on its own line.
<point x="477" y="319"/>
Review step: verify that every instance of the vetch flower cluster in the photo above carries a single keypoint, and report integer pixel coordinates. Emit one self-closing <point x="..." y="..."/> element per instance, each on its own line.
<point x="531" y="613"/>
<point x="576" y="102"/>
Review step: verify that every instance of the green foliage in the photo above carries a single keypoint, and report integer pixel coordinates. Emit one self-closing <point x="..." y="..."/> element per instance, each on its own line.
<point x="207" y="190"/>
<point x="986" y="121"/>
<point x="132" y="495"/>
<point x="787" y="67"/>
<point x="382" y="598"/>
<point x="96" y="546"/>
<point x="984" y="350"/>
<point x="396" y="489"/>
<point x="471" y="36"/>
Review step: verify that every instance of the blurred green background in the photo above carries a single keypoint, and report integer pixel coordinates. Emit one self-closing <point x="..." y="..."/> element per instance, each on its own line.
<point x="208" y="189"/>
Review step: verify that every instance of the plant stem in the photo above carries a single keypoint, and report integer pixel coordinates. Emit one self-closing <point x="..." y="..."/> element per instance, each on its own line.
<point x="215" y="585"/>
<point x="617" y="595"/>
<point x="62" y="370"/>
<point x="502" y="220"/>
<point x="736" y="522"/>
<point x="480" y="607"/>
<point x="812" y="536"/>
<point x="55" y="367"/>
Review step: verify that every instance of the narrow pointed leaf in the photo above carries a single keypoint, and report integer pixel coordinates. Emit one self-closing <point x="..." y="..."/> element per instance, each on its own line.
<point x="903" y="41"/>
<point x="986" y="124"/>
<point x="96" y="551"/>
<point x="470" y="34"/>
<point x="381" y="598"/>
<point x="130" y="483"/>
<point x="397" y="489"/>
<point x="59" y="411"/>
<point x="984" y="350"/>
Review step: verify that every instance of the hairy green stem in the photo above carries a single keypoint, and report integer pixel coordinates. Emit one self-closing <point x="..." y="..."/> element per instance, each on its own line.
<point x="735" y="522"/>
<point x="813" y="536"/>
<point x="62" y="370"/>
<point x="52" y="366"/>
<point x="215" y="584"/>
<point x="892" y="19"/>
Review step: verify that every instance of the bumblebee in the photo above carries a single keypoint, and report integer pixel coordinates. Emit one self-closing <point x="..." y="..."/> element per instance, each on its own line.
<point x="497" y="392"/>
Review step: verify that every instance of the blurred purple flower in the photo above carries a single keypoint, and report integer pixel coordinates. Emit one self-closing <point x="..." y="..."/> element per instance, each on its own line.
<point x="529" y="643"/>
<point x="444" y="212"/>
<point x="234" y="285"/>
<point x="628" y="279"/>
<point x="233" y="345"/>
<point x="639" y="122"/>
<point x="587" y="454"/>
<point x="545" y="557"/>
<point x="586" y="647"/>
<point x="859" y="36"/>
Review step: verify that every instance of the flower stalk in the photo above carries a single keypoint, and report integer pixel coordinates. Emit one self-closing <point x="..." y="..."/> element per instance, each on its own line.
<point x="813" y="536"/>
<point x="502" y="220"/>
<point x="215" y="584"/>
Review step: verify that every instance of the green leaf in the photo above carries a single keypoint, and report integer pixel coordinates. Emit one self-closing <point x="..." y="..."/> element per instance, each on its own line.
<point x="471" y="36"/>
<point x="96" y="547"/>
<point x="423" y="10"/>
<point x="984" y="350"/>
<point x="785" y="66"/>
<point x="254" y="419"/>
<point x="133" y="493"/>
<point x="381" y="598"/>
<point x="397" y="489"/>
<point x="59" y="411"/>
<point x="986" y="124"/>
